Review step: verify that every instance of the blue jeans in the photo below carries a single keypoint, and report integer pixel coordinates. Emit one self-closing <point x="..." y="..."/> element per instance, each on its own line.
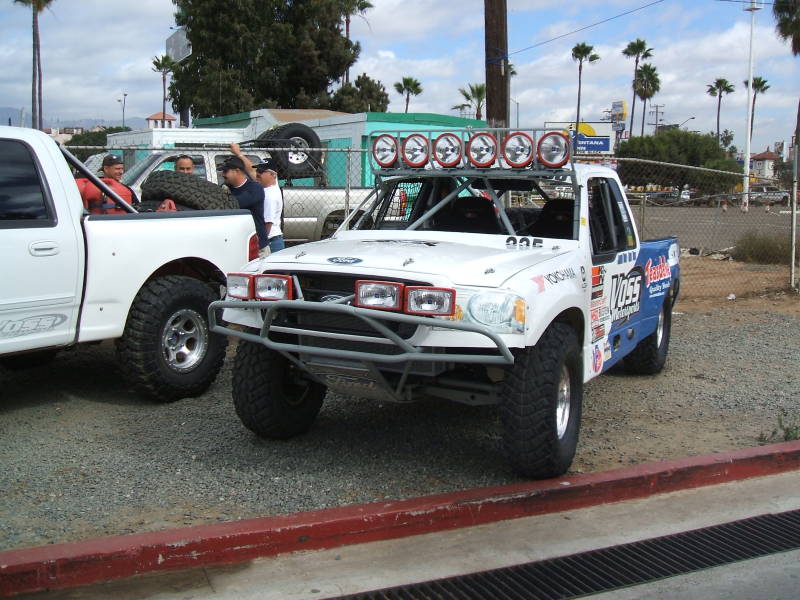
<point x="276" y="243"/>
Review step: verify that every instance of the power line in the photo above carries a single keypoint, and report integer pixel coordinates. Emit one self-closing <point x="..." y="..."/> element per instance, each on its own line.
<point x="587" y="27"/>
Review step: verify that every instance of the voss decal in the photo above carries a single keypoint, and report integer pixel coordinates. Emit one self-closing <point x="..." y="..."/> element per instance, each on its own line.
<point x="626" y="294"/>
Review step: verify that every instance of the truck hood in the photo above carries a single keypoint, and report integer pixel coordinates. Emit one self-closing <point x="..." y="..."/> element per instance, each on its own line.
<point x="478" y="260"/>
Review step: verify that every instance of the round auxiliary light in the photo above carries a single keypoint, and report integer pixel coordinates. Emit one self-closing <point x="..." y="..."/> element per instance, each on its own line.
<point x="553" y="149"/>
<point x="448" y="150"/>
<point x="482" y="149"/>
<point x="518" y="149"/>
<point x="384" y="150"/>
<point x="416" y="150"/>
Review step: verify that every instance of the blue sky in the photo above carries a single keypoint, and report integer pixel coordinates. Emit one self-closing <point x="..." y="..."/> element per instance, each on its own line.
<point x="94" y="50"/>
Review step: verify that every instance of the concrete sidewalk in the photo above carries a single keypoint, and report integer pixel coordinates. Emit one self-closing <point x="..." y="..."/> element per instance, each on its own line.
<point x="546" y="520"/>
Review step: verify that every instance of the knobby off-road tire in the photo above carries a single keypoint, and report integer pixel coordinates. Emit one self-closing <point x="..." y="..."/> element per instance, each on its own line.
<point x="294" y="163"/>
<point x="166" y="351"/>
<point x="273" y="398"/>
<point x="650" y="354"/>
<point x="540" y="406"/>
<point x="188" y="190"/>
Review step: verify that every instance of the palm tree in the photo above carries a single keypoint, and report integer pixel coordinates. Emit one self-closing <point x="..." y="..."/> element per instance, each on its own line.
<point x="351" y="8"/>
<point x="636" y="49"/>
<point x="580" y="53"/>
<point x="787" y="17"/>
<point x="717" y="89"/>
<point x="475" y="96"/>
<point x="759" y="87"/>
<point x="37" y="6"/>
<point x="164" y="65"/>
<point x="408" y="87"/>
<point x="647" y="84"/>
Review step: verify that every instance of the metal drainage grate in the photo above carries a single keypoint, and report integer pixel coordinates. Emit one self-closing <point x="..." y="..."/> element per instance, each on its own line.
<point x="610" y="568"/>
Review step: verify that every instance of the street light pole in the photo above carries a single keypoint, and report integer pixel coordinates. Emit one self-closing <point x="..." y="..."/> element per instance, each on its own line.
<point x="517" y="103"/>
<point x="122" y="101"/>
<point x="746" y="181"/>
<point x="685" y="122"/>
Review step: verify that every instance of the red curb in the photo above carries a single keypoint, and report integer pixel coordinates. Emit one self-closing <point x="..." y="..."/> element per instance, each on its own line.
<point x="80" y="563"/>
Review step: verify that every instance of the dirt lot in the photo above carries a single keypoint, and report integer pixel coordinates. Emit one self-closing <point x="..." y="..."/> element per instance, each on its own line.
<point x="85" y="458"/>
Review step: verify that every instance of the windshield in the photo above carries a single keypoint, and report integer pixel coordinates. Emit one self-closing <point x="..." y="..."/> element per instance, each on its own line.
<point x="130" y="176"/>
<point x="478" y="204"/>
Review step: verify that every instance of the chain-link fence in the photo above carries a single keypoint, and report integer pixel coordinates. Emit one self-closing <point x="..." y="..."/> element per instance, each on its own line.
<point x="732" y="242"/>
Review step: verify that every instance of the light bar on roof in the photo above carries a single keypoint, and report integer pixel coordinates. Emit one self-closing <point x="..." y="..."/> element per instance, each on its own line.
<point x="518" y="149"/>
<point x="384" y="150"/>
<point x="482" y="149"/>
<point x="416" y="150"/>
<point x="448" y="150"/>
<point x="553" y="149"/>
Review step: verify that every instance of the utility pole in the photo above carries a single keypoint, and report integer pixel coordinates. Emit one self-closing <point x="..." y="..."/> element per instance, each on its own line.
<point x="497" y="75"/>
<point x="656" y="108"/>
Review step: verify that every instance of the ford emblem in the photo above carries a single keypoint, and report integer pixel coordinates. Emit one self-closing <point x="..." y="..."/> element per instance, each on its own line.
<point x="344" y="260"/>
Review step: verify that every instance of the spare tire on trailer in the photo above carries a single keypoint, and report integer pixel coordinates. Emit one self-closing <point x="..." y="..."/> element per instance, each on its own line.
<point x="294" y="163"/>
<point x="187" y="190"/>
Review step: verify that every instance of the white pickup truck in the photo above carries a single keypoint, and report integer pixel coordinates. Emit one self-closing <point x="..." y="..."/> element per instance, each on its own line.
<point x="144" y="280"/>
<point x="487" y="269"/>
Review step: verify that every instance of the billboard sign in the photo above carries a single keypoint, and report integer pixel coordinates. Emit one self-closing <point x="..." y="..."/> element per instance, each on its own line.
<point x="593" y="138"/>
<point x="178" y="46"/>
<point x="619" y="110"/>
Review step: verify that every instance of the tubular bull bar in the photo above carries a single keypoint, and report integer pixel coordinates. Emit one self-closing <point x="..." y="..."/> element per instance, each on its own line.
<point x="370" y="317"/>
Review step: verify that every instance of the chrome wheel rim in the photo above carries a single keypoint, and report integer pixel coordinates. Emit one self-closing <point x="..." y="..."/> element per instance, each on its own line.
<point x="660" y="328"/>
<point x="563" y="402"/>
<point x="184" y="340"/>
<point x="298" y="157"/>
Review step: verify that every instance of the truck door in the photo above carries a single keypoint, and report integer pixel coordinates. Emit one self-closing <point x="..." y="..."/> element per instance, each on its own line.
<point x="39" y="268"/>
<point x="616" y="289"/>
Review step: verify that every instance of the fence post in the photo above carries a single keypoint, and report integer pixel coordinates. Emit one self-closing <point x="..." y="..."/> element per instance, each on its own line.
<point x="348" y="168"/>
<point x="793" y="203"/>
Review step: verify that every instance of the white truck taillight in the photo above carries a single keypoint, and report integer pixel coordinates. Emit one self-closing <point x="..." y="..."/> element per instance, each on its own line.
<point x="240" y="285"/>
<point x="272" y="287"/>
<point x="438" y="302"/>
<point x="380" y="295"/>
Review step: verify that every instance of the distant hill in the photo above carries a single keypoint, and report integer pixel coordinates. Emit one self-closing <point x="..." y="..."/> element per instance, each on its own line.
<point x="13" y="114"/>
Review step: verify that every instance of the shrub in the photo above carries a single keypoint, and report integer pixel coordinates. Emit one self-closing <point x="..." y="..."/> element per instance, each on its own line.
<point x="762" y="248"/>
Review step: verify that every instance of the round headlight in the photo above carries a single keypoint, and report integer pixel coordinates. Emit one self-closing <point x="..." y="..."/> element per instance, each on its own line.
<point x="518" y="149"/>
<point x="448" y="150"/>
<point x="416" y="150"/>
<point x="482" y="149"/>
<point x="491" y="308"/>
<point x="553" y="149"/>
<point x="384" y="150"/>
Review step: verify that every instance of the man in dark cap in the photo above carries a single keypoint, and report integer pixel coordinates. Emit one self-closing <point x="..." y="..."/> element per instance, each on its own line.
<point x="248" y="194"/>
<point x="94" y="200"/>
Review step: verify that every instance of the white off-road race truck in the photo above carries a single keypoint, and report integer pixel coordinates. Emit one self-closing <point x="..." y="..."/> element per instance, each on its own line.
<point x="144" y="280"/>
<point x="487" y="268"/>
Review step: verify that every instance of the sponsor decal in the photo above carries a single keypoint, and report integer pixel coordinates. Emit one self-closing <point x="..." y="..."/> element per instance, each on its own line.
<point x="344" y="260"/>
<point x="598" y="279"/>
<point x="626" y="293"/>
<point x="560" y="275"/>
<point x="539" y="281"/>
<point x="673" y="254"/>
<point x="31" y="325"/>
<point x="598" y="332"/>
<point x="599" y="313"/>
<point x="625" y="257"/>
<point x="597" y="359"/>
<point x="607" y="351"/>
<point x="583" y="277"/>
<point x="330" y="298"/>
<point x="523" y="243"/>
<point x="654" y="272"/>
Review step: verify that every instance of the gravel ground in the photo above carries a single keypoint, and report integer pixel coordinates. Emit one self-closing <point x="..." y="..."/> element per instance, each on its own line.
<point x="84" y="458"/>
